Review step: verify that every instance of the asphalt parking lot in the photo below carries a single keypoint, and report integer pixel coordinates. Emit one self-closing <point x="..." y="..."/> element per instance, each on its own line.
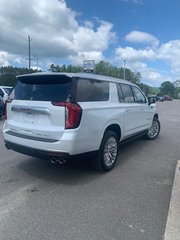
<point x="39" y="200"/>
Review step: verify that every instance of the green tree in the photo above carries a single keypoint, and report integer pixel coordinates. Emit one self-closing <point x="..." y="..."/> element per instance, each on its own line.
<point x="102" y="68"/>
<point x="105" y="68"/>
<point x="8" y="74"/>
<point x="167" y="88"/>
<point x="54" y="68"/>
<point x="63" y="68"/>
<point x="177" y="92"/>
<point x="145" y="88"/>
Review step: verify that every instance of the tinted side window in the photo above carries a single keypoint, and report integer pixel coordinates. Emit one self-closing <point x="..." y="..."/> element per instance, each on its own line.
<point x="127" y="93"/>
<point x="1" y="93"/>
<point x="92" y="90"/>
<point x="139" y="97"/>
<point x="7" y="90"/>
<point x="120" y="94"/>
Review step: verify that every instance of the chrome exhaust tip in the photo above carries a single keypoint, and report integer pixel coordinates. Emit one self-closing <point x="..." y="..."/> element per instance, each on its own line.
<point x="61" y="161"/>
<point x="55" y="160"/>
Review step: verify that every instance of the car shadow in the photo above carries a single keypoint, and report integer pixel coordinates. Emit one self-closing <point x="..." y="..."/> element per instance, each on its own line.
<point x="71" y="173"/>
<point x="79" y="169"/>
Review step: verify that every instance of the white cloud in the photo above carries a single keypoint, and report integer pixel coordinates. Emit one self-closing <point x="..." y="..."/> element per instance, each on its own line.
<point x="170" y="52"/>
<point x="132" y="54"/>
<point x="138" y="2"/>
<point x="88" y="24"/>
<point x="142" y="37"/>
<point x="150" y="76"/>
<point x="86" y="39"/>
<point x="54" y="30"/>
<point x="78" y="60"/>
<point x="36" y="68"/>
<point x="164" y="58"/>
<point x="141" y="2"/>
<point x="57" y="35"/>
<point x="4" y="56"/>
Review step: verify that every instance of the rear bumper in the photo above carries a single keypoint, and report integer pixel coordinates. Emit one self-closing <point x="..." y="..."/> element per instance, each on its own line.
<point x="48" y="155"/>
<point x="36" y="152"/>
<point x="71" y="142"/>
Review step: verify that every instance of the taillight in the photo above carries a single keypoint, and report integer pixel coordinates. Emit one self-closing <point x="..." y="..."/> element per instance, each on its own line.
<point x="5" y="107"/>
<point x="73" y="113"/>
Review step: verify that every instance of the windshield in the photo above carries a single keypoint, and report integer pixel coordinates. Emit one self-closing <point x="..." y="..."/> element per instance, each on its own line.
<point x="42" y="88"/>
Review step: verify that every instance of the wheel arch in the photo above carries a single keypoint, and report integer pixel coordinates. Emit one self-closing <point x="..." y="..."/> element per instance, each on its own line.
<point x="156" y="116"/>
<point x="115" y="128"/>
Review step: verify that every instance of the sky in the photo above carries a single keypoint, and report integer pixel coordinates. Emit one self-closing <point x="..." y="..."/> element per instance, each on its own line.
<point x="144" y="33"/>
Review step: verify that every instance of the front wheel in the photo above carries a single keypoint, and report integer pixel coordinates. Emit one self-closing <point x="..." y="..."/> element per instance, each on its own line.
<point x="154" y="131"/>
<point x="108" y="152"/>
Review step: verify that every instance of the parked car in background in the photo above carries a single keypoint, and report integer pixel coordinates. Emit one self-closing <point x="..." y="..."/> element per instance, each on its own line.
<point x="160" y="98"/>
<point x="167" y="98"/>
<point x="4" y="91"/>
<point x="1" y="106"/>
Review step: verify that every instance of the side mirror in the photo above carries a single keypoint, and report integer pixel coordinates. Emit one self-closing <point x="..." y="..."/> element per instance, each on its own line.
<point x="151" y="100"/>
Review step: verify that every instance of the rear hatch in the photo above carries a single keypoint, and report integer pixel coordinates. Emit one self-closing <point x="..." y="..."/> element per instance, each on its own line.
<point x="33" y="112"/>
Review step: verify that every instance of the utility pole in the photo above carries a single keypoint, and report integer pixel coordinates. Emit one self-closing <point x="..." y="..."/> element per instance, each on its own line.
<point x="124" y="69"/>
<point x="37" y="62"/>
<point x="29" y="47"/>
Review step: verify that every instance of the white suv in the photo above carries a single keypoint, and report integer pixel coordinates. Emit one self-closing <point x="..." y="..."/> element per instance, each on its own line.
<point x="59" y="115"/>
<point x="4" y="91"/>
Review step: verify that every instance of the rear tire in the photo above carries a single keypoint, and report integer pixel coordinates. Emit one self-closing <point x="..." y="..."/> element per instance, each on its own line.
<point x="108" y="152"/>
<point x="154" y="131"/>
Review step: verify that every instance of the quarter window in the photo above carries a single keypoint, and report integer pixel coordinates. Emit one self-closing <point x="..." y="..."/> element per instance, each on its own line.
<point x="91" y="90"/>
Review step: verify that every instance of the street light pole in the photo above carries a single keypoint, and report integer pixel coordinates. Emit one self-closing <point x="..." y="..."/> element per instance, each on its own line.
<point x="124" y="69"/>
<point x="29" y="48"/>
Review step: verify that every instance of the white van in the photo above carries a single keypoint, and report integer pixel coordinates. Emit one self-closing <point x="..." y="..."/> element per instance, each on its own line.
<point x="59" y="115"/>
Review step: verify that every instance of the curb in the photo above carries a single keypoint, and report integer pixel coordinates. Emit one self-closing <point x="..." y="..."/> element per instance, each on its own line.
<point x="172" y="229"/>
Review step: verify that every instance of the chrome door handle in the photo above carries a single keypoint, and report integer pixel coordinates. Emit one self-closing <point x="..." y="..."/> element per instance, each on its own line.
<point x="128" y="110"/>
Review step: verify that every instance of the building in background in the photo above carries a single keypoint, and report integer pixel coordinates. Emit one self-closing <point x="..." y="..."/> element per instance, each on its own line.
<point x="177" y="83"/>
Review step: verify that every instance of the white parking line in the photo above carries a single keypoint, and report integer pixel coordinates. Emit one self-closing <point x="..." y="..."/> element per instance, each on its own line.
<point x="172" y="230"/>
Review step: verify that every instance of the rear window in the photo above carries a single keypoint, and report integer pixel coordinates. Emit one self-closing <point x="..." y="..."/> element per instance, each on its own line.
<point x="88" y="90"/>
<point x="42" y="88"/>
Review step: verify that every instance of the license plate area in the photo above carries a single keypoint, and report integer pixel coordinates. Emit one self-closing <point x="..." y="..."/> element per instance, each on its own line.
<point x="29" y="118"/>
